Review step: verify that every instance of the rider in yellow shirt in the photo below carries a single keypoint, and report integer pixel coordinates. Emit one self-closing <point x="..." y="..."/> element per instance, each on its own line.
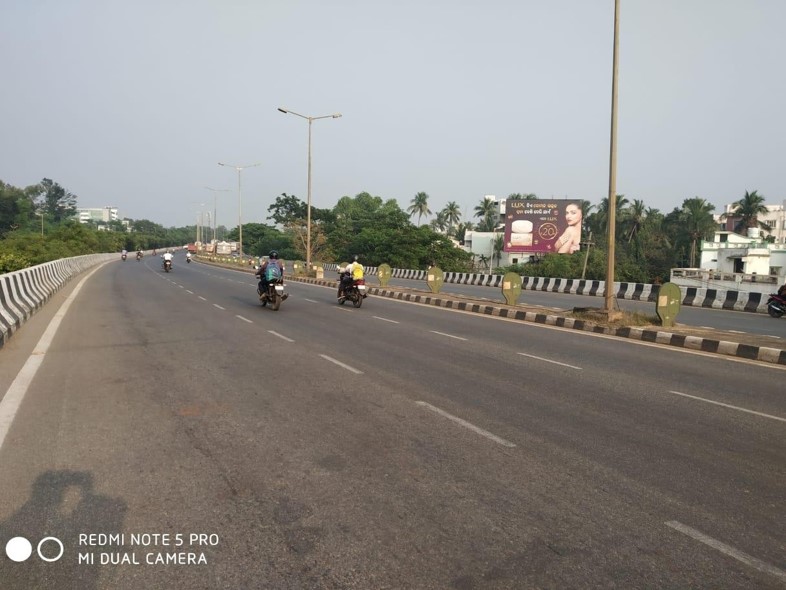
<point x="351" y="272"/>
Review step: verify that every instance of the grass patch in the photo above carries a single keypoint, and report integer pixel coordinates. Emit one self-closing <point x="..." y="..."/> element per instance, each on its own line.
<point x="617" y="320"/>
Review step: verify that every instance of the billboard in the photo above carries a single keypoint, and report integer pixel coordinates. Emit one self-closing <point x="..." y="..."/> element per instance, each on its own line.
<point x="542" y="226"/>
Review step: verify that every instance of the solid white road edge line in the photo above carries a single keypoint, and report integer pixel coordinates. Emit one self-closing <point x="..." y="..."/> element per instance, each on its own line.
<point x="340" y="364"/>
<point x="280" y="336"/>
<point x="709" y="401"/>
<point x="540" y="358"/>
<point x="465" y="424"/>
<point x="727" y="550"/>
<point x="12" y="399"/>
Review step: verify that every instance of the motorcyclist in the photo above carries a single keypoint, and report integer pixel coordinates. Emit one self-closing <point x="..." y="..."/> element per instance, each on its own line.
<point x="123" y="254"/>
<point x="167" y="256"/>
<point x="348" y="275"/>
<point x="188" y="257"/>
<point x="782" y="291"/>
<point x="269" y="270"/>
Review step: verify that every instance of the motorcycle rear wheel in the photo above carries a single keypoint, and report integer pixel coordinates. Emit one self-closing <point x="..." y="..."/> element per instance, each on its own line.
<point x="357" y="299"/>
<point x="276" y="303"/>
<point x="775" y="313"/>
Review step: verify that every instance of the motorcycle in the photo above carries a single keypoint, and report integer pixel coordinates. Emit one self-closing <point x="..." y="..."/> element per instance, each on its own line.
<point x="355" y="293"/>
<point x="188" y="260"/>
<point x="776" y="305"/>
<point x="274" y="294"/>
<point x="138" y="256"/>
<point x="167" y="265"/>
<point x="123" y="257"/>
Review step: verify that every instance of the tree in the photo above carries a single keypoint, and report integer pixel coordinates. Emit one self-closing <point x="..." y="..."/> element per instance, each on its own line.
<point x="597" y="222"/>
<point x="15" y="208"/>
<point x="287" y="208"/>
<point x="56" y="202"/>
<point x="747" y="211"/>
<point x="586" y="210"/>
<point x="419" y="206"/>
<point x="487" y="211"/>
<point x="461" y="231"/>
<point x="439" y="223"/>
<point x="452" y="214"/>
<point x="633" y="218"/>
<point x="498" y="247"/>
<point x="696" y="222"/>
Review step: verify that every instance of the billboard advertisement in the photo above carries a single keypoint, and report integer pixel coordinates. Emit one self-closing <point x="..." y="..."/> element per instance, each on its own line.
<point x="542" y="226"/>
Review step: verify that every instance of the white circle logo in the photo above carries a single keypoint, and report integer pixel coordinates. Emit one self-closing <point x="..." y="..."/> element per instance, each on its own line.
<point x="18" y="549"/>
<point x="50" y="559"/>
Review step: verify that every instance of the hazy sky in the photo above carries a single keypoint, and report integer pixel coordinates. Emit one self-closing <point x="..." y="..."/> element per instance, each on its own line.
<point x="133" y="104"/>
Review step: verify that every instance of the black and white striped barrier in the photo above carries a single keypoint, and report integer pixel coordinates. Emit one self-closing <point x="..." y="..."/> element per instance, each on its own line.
<point x="691" y="296"/>
<point x="23" y="292"/>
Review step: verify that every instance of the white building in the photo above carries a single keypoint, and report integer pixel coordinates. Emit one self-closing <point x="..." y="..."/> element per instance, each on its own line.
<point x="729" y="252"/>
<point x="97" y="214"/>
<point x="736" y="262"/>
<point x="774" y="219"/>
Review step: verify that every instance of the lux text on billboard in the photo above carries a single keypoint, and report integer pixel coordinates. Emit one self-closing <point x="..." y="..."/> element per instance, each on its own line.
<point x="542" y="226"/>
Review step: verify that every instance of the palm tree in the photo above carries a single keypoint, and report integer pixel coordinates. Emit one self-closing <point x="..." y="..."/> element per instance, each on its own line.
<point x="603" y="213"/>
<point x="461" y="231"/>
<point x="419" y="206"/>
<point x="697" y="222"/>
<point x="440" y="222"/>
<point x="499" y="245"/>
<point x="635" y="215"/>
<point x="452" y="213"/>
<point x="486" y="210"/>
<point x="747" y="211"/>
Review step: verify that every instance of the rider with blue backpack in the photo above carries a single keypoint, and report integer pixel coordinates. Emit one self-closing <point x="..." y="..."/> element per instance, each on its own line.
<point x="269" y="271"/>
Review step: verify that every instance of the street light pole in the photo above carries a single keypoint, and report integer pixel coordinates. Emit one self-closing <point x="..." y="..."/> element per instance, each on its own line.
<point x="308" y="206"/>
<point x="216" y="190"/>
<point x="612" y="208"/>
<point x="239" y="202"/>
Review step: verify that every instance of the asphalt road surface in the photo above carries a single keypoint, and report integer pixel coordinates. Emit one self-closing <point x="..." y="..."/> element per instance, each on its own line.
<point x="719" y="319"/>
<point x="174" y="434"/>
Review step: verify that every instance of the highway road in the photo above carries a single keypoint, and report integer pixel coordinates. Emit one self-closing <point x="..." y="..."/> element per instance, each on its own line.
<point x="174" y="434"/>
<point x="719" y="319"/>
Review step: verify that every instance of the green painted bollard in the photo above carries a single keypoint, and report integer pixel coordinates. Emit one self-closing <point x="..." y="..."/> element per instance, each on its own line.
<point x="668" y="305"/>
<point x="511" y="287"/>
<point x="384" y="272"/>
<point x="435" y="278"/>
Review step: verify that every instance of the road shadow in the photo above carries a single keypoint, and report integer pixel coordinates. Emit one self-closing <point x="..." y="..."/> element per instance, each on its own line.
<point x="62" y="504"/>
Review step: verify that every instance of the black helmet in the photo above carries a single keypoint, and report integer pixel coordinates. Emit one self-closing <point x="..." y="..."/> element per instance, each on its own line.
<point x="355" y="258"/>
<point x="273" y="255"/>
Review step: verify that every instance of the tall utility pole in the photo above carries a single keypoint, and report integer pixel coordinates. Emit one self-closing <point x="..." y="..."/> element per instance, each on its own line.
<point x="216" y="190"/>
<point x="239" y="203"/>
<point x="308" y="206"/>
<point x="612" y="209"/>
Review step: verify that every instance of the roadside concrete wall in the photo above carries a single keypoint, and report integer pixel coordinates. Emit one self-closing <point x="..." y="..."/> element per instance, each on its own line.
<point x="755" y="302"/>
<point x="23" y="292"/>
